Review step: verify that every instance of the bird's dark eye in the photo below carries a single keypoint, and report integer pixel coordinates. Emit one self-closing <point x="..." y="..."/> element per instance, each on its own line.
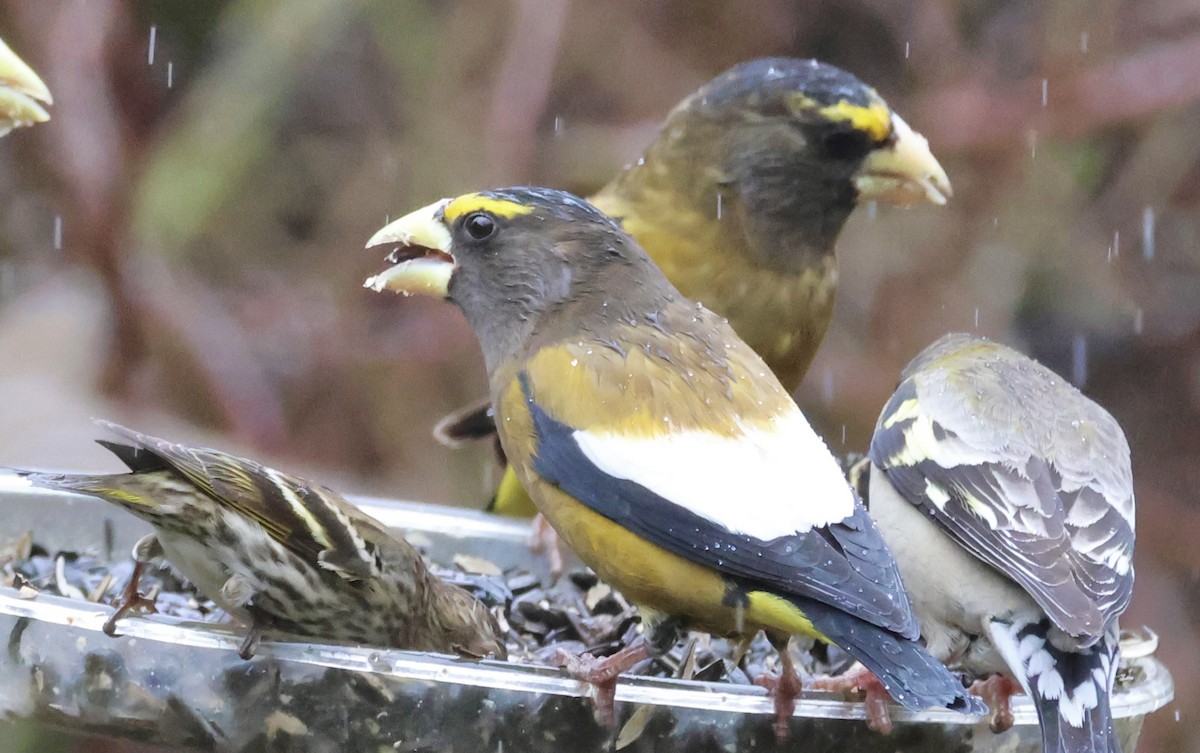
<point x="850" y="144"/>
<point x="480" y="226"/>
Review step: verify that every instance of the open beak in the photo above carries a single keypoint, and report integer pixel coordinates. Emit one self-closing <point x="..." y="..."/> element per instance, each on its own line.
<point x="21" y="90"/>
<point x="904" y="172"/>
<point x="418" y="246"/>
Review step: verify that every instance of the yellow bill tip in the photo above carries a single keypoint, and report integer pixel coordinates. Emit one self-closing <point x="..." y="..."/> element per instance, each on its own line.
<point x="423" y="222"/>
<point x="16" y="74"/>
<point x="424" y="276"/>
<point x="419" y="250"/>
<point x="904" y="172"/>
<point x="18" y="111"/>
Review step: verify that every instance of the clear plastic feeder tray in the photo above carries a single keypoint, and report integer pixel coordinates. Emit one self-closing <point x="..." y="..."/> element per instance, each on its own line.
<point x="181" y="684"/>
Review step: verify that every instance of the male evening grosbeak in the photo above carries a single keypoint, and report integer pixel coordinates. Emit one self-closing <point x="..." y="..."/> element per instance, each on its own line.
<point x="1007" y="498"/>
<point x="21" y="91"/>
<point x="658" y="444"/>
<point x="280" y="554"/>
<point x="740" y="201"/>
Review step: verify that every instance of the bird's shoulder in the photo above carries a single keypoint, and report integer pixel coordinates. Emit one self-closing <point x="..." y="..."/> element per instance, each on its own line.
<point x="653" y="373"/>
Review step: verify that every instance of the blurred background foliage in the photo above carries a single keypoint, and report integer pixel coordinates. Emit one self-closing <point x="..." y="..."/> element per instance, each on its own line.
<point x="181" y="246"/>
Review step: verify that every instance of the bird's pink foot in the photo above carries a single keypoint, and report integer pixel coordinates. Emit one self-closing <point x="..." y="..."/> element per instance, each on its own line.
<point x="864" y="681"/>
<point x="997" y="692"/>
<point x="784" y="690"/>
<point x="129" y="600"/>
<point x="601" y="674"/>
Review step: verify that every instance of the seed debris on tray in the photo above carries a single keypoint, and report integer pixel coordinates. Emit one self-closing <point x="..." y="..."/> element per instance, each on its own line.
<point x="267" y="704"/>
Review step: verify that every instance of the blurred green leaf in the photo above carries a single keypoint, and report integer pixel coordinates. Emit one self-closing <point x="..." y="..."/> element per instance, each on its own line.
<point x="225" y="128"/>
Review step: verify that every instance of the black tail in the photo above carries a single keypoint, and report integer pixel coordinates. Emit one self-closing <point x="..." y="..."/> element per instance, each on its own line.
<point x="914" y="679"/>
<point x="1071" y="690"/>
<point x="138" y="459"/>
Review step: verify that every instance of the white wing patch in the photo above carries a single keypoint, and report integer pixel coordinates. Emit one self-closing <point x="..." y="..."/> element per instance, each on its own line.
<point x="921" y="443"/>
<point x="768" y="482"/>
<point x="936" y="494"/>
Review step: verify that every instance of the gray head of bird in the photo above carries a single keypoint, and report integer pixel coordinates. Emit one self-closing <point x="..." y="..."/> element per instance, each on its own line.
<point x="508" y="257"/>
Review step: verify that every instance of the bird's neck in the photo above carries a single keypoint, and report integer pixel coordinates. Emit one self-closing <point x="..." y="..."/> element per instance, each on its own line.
<point x="766" y="226"/>
<point x="780" y="302"/>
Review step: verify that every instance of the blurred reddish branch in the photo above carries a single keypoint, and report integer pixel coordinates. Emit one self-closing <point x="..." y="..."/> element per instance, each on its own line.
<point x="94" y="142"/>
<point x="981" y="112"/>
<point x="523" y="86"/>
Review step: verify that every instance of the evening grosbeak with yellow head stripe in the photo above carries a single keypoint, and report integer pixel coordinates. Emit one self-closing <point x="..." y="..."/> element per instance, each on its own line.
<point x="742" y="195"/>
<point x="1007" y="498"/>
<point x="22" y="93"/>
<point x="280" y="554"/>
<point x="657" y="443"/>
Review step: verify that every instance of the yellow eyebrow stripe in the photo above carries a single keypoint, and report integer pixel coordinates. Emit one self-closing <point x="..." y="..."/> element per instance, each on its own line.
<point x="474" y="202"/>
<point x="874" y="119"/>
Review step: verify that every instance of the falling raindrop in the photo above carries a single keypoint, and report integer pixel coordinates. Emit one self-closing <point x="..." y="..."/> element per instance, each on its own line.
<point x="827" y="385"/>
<point x="1116" y="246"/>
<point x="1148" y="232"/>
<point x="1083" y="42"/>
<point x="718" y="206"/>
<point x="1079" y="360"/>
<point x="1032" y="138"/>
<point x="489" y="477"/>
<point x="1139" y="320"/>
<point x="907" y="50"/>
<point x="872" y="210"/>
<point x="558" y="125"/>
<point x="976" y="317"/>
<point x="843" y="435"/>
<point x="153" y="42"/>
<point x="170" y="74"/>
<point x="1045" y="91"/>
<point x="58" y="232"/>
